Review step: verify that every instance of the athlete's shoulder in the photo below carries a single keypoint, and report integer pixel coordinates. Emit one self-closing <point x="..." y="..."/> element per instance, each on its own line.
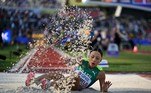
<point x="99" y="67"/>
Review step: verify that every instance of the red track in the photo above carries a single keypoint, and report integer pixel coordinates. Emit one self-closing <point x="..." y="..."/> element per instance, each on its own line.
<point x="46" y="60"/>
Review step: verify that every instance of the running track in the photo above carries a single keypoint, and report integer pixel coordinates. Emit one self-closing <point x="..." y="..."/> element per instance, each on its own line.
<point x="46" y="60"/>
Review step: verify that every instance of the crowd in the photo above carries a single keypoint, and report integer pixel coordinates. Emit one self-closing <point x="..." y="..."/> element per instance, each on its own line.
<point x="31" y="3"/>
<point x="22" y="22"/>
<point x="66" y="25"/>
<point x="25" y="17"/>
<point x="123" y="29"/>
<point x="60" y="26"/>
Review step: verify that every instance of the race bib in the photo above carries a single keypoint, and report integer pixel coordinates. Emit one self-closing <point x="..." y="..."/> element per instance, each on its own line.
<point x="84" y="79"/>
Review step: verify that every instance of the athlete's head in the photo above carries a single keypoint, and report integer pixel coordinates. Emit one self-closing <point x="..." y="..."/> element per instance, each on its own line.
<point x="95" y="57"/>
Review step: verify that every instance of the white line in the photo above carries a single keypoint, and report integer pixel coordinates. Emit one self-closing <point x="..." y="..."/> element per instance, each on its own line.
<point x="25" y="65"/>
<point x="50" y="68"/>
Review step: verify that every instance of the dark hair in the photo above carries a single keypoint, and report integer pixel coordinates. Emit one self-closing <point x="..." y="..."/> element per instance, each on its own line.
<point x="98" y="50"/>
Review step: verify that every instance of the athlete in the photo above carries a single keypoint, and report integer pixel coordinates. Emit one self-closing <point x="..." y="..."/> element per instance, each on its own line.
<point x="88" y="72"/>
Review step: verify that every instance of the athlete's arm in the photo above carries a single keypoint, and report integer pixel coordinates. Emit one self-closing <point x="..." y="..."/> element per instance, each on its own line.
<point x="104" y="85"/>
<point x="101" y="78"/>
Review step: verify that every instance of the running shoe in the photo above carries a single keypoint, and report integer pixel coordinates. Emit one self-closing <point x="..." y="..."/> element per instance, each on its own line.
<point x="29" y="78"/>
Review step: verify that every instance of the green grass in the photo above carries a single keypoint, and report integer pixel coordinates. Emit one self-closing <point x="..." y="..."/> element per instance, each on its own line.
<point x="10" y="59"/>
<point x="129" y="62"/>
<point x="144" y="48"/>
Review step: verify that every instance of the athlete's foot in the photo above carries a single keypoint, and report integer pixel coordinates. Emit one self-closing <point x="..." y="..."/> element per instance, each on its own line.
<point x="29" y="78"/>
<point x="45" y="84"/>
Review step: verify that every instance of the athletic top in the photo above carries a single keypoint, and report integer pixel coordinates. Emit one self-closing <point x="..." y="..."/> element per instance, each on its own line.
<point x="87" y="75"/>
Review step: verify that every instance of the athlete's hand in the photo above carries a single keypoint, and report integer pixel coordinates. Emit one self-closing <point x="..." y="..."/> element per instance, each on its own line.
<point x="106" y="86"/>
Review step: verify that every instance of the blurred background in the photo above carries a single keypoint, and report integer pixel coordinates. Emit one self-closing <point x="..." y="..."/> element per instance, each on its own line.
<point x="121" y="28"/>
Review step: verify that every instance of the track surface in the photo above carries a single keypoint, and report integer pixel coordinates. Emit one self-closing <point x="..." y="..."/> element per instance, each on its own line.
<point x="46" y="60"/>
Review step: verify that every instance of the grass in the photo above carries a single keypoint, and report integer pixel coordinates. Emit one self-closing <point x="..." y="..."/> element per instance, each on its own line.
<point x="144" y="48"/>
<point x="129" y="62"/>
<point x="10" y="59"/>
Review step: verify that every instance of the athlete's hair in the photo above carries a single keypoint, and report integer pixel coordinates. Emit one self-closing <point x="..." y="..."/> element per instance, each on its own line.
<point x="98" y="50"/>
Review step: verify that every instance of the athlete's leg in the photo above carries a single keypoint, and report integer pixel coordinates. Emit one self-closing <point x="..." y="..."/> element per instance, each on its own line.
<point x="49" y="76"/>
<point x="30" y="79"/>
